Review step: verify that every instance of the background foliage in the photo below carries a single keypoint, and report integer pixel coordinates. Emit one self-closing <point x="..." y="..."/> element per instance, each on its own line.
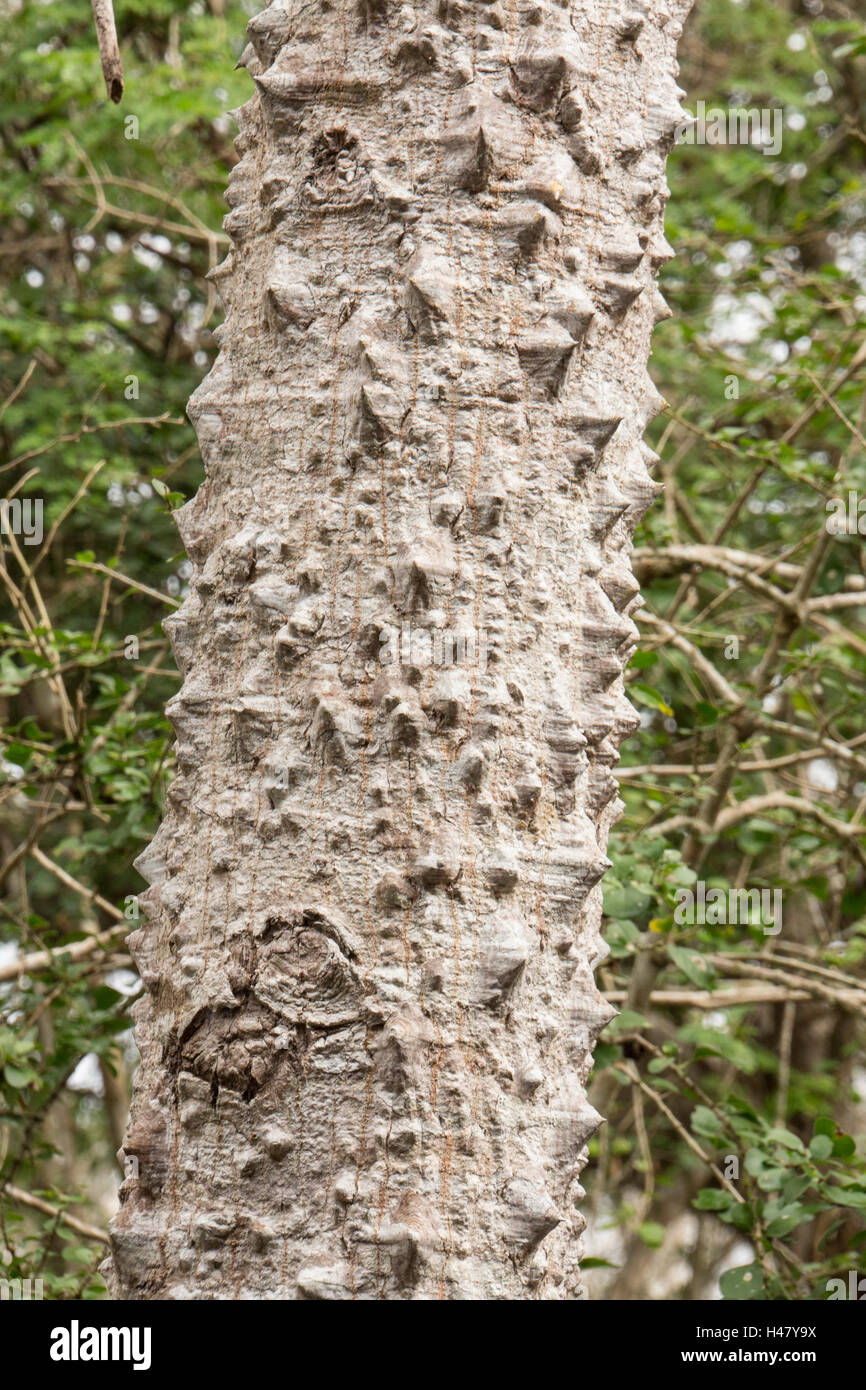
<point x="732" y="1162"/>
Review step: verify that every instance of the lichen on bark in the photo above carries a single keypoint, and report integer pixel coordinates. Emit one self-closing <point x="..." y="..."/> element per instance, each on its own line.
<point x="373" y="918"/>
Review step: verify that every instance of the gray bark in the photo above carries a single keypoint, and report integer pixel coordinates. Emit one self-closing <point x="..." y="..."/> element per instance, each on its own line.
<point x="375" y="901"/>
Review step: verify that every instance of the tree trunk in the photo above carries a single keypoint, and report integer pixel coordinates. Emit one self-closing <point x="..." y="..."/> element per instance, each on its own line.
<point x="375" y="899"/>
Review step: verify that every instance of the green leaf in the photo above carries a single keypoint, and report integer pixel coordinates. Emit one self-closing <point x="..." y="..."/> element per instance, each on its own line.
<point x="683" y="876"/>
<point x="785" y="1138"/>
<point x="619" y="935"/>
<point x="744" y="1282"/>
<point x="794" y="1187"/>
<point x="629" y="1021"/>
<point x="712" y="1199"/>
<point x="693" y="966"/>
<point x="771" y="1179"/>
<point x="705" y="1123"/>
<point x="821" y="1147"/>
<point x="756" y="1161"/>
<point x="625" y="902"/>
<point x="645" y="695"/>
<point x="651" y="1233"/>
<point x="846" y="1196"/>
<point x="19" y="1076"/>
<point x="707" y="714"/>
<point x="787" y="1220"/>
<point x="713" y="1040"/>
<point x="658" y="1065"/>
<point x="844" y="1147"/>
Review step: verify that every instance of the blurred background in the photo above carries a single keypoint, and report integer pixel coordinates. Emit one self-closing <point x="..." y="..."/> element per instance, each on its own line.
<point x="733" y="1160"/>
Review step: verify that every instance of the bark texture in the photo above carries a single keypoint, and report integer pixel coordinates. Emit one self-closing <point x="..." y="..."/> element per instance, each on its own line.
<point x="374" y="904"/>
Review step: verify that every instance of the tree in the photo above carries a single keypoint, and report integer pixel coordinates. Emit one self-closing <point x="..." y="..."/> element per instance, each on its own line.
<point x="374" y="902"/>
<point x="726" y="1033"/>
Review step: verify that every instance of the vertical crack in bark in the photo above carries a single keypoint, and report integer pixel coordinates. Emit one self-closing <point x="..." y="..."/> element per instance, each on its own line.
<point x="374" y="905"/>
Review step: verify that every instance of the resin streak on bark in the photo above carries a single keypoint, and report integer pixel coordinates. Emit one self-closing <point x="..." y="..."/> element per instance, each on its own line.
<point x="374" y="904"/>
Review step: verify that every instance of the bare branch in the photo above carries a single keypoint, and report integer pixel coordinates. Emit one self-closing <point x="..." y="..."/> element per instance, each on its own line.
<point x="106" y="36"/>
<point x="28" y="1199"/>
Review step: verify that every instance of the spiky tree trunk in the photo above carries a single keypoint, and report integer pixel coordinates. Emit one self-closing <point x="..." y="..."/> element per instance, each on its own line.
<point x="375" y="899"/>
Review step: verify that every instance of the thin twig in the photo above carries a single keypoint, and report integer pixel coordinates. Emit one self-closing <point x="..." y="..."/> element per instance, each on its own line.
<point x="28" y="1199"/>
